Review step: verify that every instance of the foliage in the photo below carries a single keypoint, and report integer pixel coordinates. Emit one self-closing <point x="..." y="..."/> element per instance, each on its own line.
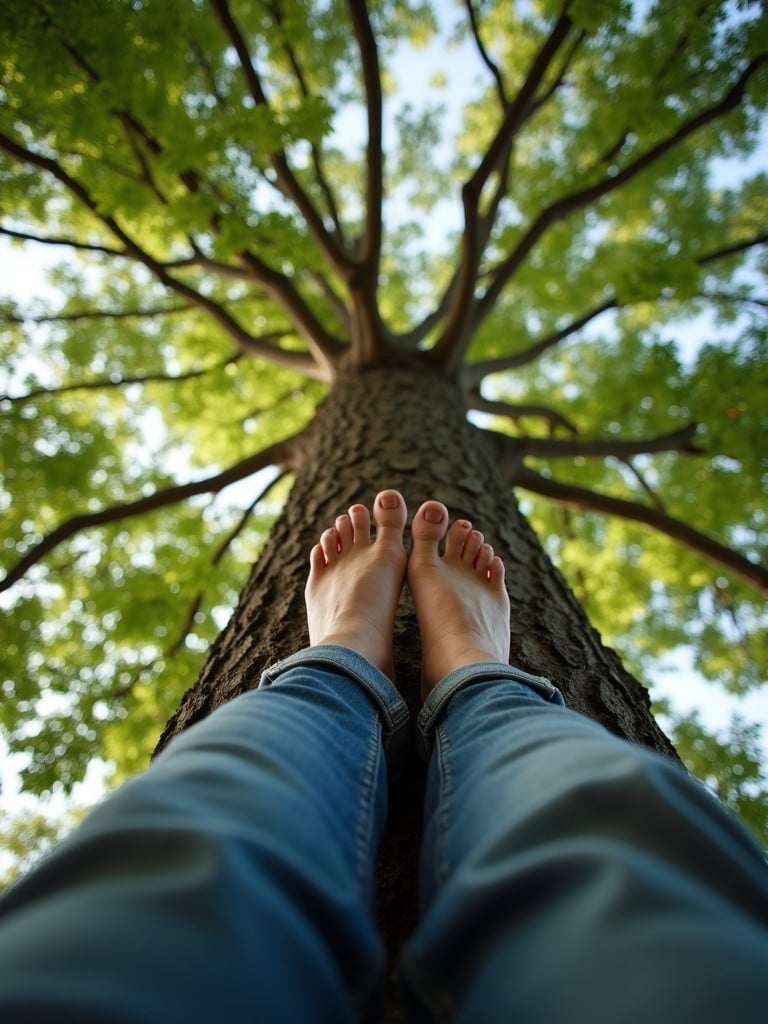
<point x="730" y="763"/>
<point x="27" y="836"/>
<point x="568" y="221"/>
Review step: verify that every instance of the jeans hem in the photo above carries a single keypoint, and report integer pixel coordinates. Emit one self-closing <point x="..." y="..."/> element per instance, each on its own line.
<point x="438" y="699"/>
<point x="390" y="705"/>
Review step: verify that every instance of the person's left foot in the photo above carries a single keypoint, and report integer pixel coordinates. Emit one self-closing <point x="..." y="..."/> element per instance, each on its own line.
<point x="354" y="582"/>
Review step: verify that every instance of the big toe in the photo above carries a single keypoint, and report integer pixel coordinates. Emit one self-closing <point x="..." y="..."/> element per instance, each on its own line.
<point x="389" y="513"/>
<point x="428" y="528"/>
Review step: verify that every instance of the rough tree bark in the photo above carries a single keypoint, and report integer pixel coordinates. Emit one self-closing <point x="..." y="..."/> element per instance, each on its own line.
<point x="406" y="427"/>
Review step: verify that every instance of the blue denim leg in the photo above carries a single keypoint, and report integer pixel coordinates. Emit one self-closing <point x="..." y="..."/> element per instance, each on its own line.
<point x="233" y="881"/>
<point x="569" y="875"/>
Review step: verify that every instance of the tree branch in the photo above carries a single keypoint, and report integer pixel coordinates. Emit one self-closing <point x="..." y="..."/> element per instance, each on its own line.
<point x="326" y="350"/>
<point x="317" y="160"/>
<point x="109" y="382"/>
<point x="221" y="550"/>
<point x="175" y="646"/>
<point x="102" y="314"/>
<point x="538" y="102"/>
<point x="644" y="484"/>
<point x="286" y="179"/>
<point x="294" y="360"/>
<point x="284" y="453"/>
<point x="410" y="339"/>
<point x="744" y="300"/>
<point x="732" y="249"/>
<point x="589" y="501"/>
<point x="584" y="197"/>
<point x="369" y="56"/>
<point x="516" y="411"/>
<point x="551" y="448"/>
<point x="487" y="221"/>
<point x="474" y="373"/>
<point x="451" y="346"/>
<point x="233" y="534"/>
<point x="484" y="55"/>
<point x="331" y="296"/>
<point x="27" y="236"/>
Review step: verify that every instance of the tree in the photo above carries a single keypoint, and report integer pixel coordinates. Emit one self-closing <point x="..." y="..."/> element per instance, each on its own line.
<point x="270" y="274"/>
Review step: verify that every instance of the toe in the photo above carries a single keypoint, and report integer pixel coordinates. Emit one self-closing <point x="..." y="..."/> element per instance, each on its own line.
<point x="472" y="546"/>
<point x="496" y="572"/>
<point x="344" y="530"/>
<point x="316" y="558"/>
<point x="361" y="524"/>
<point x="428" y="528"/>
<point x="389" y="512"/>
<point x="483" y="560"/>
<point x="329" y="542"/>
<point x="456" y="538"/>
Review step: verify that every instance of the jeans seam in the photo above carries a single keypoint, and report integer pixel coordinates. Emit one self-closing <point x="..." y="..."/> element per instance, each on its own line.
<point x="365" y="820"/>
<point x="446" y="791"/>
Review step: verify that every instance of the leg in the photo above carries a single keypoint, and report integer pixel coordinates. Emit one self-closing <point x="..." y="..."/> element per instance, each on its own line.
<point x="233" y="881"/>
<point x="565" y="874"/>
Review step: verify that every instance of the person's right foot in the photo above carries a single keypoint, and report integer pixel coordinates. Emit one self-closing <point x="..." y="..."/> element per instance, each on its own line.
<point x="461" y="603"/>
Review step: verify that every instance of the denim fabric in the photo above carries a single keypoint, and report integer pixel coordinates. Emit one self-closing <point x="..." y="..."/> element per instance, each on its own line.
<point x="233" y="881"/>
<point x="565" y="874"/>
<point x="569" y="875"/>
<point x="438" y="698"/>
<point x="395" y="719"/>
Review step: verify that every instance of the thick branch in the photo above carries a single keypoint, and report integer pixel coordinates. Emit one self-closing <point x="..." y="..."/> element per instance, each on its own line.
<point x="285" y="454"/>
<point x="589" y="501"/>
<point x="369" y="56"/>
<point x="450" y="348"/>
<point x="474" y="373"/>
<point x="516" y="411"/>
<point x="585" y="197"/>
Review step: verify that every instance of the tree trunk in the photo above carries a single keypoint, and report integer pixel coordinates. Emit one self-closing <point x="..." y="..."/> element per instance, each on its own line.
<point x="407" y="428"/>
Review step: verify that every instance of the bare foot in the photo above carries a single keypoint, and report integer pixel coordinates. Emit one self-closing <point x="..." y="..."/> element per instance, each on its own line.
<point x="354" y="582"/>
<point x="461" y="602"/>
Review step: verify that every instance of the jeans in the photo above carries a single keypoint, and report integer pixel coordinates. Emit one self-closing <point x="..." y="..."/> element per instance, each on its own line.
<point x="565" y="874"/>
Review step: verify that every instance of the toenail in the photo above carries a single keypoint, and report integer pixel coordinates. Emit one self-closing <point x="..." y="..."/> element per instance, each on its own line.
<point x="463" y="524"/>
<point x="357" y="508"/>
<point x="433" y="515"/>
<point x="389" y="501"/>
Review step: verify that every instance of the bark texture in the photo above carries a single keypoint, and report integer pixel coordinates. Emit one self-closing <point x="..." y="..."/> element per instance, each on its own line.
<point x="406" y="428"/>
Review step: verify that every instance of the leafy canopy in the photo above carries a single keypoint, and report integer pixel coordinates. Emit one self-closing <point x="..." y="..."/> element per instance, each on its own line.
<point x="553" y="203"/>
